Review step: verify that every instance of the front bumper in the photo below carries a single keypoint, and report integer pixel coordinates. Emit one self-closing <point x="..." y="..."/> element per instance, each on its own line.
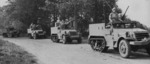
<point x="143" y="42"/>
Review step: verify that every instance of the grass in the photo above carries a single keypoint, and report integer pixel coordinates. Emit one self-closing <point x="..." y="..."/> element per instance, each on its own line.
<point x="12" y="54"/>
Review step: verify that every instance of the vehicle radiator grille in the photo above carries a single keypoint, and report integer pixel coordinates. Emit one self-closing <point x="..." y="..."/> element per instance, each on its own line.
<point x="140" y="36"/>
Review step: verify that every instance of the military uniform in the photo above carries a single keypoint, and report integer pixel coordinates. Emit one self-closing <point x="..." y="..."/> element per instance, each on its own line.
<point x="115" y="15"/>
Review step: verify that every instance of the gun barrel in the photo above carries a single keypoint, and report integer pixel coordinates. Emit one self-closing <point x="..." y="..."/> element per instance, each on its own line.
<point x="125" y="13"/>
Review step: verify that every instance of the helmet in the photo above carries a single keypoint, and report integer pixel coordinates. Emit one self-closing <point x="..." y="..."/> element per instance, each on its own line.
<point x="114" y="9"/>
<point x="118" y="10"/>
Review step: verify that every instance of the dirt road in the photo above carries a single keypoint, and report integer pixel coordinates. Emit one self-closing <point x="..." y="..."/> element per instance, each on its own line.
<point x="48" y="52"/>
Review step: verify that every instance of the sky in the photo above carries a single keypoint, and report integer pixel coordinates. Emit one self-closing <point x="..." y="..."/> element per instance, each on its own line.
<point x="2" y="2"/>
<point x="138" y="10"/>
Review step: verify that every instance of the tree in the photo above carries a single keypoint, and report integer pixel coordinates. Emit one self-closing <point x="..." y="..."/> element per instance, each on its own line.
<point x="26" y="12"/>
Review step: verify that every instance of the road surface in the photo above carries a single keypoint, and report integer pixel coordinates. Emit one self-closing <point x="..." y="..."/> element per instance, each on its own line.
<point x="48" y="52"/>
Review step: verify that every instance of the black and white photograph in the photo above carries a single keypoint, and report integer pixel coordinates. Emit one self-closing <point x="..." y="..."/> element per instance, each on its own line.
<point x="74" y="31"/>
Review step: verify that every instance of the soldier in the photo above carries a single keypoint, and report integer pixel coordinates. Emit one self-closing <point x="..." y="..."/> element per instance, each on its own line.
<point x="32" y="25"/>
<point x="115" y="15"/>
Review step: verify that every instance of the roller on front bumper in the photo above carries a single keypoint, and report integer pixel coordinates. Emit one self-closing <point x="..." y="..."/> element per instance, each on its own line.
<point x="144" y="41"/>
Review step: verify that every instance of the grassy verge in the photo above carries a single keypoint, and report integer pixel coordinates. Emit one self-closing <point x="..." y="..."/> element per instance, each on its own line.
<point x="12" y="54"/>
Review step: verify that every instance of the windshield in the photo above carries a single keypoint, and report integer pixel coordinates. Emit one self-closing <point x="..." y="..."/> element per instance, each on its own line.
<point x="125" y="25"/>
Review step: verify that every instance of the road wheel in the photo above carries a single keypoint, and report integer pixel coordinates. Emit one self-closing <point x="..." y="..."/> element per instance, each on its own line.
<point x="54" y="39"/>
<point x="92" y="43"/>
<point x="64" y="39"/>
<point x="148" y="49"/>
<point x="34" y="36"/>
<point x="124" y="49"/>
<point x="99" y="45"/>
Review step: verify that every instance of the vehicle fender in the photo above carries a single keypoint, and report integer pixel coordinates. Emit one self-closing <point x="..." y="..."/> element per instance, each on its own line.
<point x="116" y="44"/>
<point x="95" y="37"/>
<point x="121" y="38"/>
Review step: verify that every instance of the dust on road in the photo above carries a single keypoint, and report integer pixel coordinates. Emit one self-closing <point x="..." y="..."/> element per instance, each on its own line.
<point x="48" y="52"/>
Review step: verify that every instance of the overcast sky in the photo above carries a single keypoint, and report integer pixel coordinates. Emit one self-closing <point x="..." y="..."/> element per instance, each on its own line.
<point x="2" y="2"/>
<point x="139" y="9"/>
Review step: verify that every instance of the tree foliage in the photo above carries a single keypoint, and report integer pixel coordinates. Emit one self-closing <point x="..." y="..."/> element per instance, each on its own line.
<point x="27" y="11"/>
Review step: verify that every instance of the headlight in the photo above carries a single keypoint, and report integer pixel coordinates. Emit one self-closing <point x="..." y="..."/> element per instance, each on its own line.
<point x="129" y="34"/>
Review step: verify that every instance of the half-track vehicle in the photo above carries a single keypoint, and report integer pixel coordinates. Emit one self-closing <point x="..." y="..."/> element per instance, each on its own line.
<point x="36" y="32"/>
<point x="122" y="36"/>
<point x="11" y="32"/>
<point x="65" y="35"/>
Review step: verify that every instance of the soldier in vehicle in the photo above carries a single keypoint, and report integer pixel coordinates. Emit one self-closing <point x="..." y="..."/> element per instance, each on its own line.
<point x="32" y="25"/>
<point x="115" y="15"/>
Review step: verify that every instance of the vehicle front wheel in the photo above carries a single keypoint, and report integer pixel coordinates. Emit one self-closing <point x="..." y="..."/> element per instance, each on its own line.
<point x="54" y="39"/>
<point x="124" y="49"/>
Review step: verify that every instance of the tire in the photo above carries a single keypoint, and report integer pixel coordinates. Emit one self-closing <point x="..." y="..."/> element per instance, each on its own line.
<point x="64" y="39"/>
<point x="99" y="45"/>
<point x="54" y="39"/>
<point x="124" y="49"/>
<point x="148" y="49"/>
